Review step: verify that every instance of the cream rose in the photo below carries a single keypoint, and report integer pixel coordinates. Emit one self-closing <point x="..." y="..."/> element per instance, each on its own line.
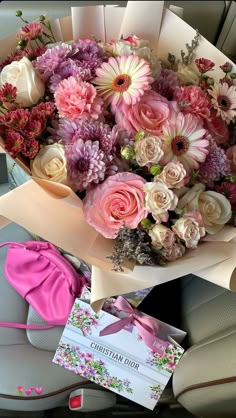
<point x="187" y="75"/>
<point x="214" y="207"/>
<point x="173" y="175"/>
<point x="159" y="200"/>
<point x="189" y="230"/>
<point x="22" y="75"/>
<point x="148" y="150"/>
<point x="161" y="236"/>
<point x="50" y="164"/>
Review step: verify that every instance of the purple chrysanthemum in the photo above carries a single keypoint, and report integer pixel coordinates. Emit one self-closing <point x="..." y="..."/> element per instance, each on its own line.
<point x="87" y="54"/>
<point x="85" y="163"/>
<point x="85" y="48"/>
<point x="48" y="63"/>
<point x="229" y="191"/>
<point x="87" y="130"/>
<point x="166" y="83"/>
<point x="215" y="166"/>
<point x="67" y="69"/>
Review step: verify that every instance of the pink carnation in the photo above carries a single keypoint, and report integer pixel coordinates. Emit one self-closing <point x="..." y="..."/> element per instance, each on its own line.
<point x="192" y="99"/>
<point x="204" y="65"/>
<point x="75" y="98"/>
<point x="31" y="31"/>
<point x="118" y="200"/>
<point x="149" y="114"/>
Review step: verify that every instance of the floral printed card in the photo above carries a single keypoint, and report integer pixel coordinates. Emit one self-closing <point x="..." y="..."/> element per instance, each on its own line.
<point x="120" y="362"/>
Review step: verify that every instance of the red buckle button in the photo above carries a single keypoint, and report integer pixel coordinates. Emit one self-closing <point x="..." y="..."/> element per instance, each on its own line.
<point x="76" y="402"/>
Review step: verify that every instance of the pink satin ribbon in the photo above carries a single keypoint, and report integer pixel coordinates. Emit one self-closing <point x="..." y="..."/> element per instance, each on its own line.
<point x="147" y="327"/>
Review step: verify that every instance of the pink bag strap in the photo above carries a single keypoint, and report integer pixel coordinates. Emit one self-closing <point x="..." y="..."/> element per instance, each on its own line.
<point x="24" y="326"/>
<point x="12" y="243"/>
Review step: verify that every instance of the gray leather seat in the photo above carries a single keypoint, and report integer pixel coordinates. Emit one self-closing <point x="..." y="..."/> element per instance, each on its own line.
<point x="205" y="379"/>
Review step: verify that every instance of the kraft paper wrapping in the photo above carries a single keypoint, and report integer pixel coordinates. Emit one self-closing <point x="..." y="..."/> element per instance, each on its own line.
<point x="54" y="212"/>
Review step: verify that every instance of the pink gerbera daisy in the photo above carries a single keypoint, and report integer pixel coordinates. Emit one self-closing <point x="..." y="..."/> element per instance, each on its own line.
<point x="184" y="140"/>
<point x="123" y="79"/>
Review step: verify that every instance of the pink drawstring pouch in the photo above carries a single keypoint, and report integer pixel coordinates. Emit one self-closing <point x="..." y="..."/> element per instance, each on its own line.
<point x="44" y="278"/>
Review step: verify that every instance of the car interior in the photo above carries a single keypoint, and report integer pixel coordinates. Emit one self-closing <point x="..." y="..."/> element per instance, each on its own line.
<point x="204" y="382"/>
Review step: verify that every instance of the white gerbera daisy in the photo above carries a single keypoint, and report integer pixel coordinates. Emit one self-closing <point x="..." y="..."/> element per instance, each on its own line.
<point x="123" y="79"/>
<point x="184" y="140"/>
<point x="224" y="101"/>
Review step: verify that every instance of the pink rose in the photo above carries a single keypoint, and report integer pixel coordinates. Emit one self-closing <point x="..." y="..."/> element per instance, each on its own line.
<point x="118" y="200"/>
<point x="218" y="129"/>
<point x="231" y="155"/>
<point x="149" y="114"/>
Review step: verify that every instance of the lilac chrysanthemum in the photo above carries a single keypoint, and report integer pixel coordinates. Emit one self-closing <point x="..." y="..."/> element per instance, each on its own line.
<point x="48" y="63"/>
<point x="215" y="166"/>
<point x="85" y="163"/>
<point x="84" y="49"/>
<point x="87" y="130"/>
<point x="66" y="69"/>
<point x="166" y="83"/>
<point x="87" y="54"/>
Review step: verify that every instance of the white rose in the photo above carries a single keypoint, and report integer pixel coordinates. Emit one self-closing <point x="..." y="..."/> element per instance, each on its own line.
<point x="22" y="75"/>
<point x="214" y="207"/>
<point x="215" y="210"/>
<point x="50" y="164"/>
<point x="187" y="75"/>
<point x="146" y="53"/>
<point x="188" y="197"/>
<point x="174" y="252"/>
<point x="161" y="236"/>
<point x="148" y="150"/>
<point x="173" y="175"/>
<point x="188" y="229"/>
<point x="159" y="200"/>
<point x="121" y="48"/>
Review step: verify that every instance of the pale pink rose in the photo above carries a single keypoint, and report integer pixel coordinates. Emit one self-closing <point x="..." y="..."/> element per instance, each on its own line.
<point x="173" y="175"/>
<point x="75" y="98"/>
<point x="174" y="252"/>
<point x="231" y="155"/>
<point x="161" y="236"/>
<point x="218" y="129"/>
<point x="159" y="200"/>
<point x="148" y="115"/>
<point x="117" y="201"/>
<point x="190" y="228"/>
<point x="148" y="150"/>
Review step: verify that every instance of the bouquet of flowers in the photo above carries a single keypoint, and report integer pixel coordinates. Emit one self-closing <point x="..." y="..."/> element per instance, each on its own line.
<point x="147" y="144"/>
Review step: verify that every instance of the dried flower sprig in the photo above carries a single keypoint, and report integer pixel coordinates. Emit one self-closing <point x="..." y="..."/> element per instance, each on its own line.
<point x="186" y="59"/>
<point x="134" y="245"/>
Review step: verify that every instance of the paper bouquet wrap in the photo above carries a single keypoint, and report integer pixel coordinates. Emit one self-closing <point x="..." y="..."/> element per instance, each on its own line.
<point x="54" y="212"/>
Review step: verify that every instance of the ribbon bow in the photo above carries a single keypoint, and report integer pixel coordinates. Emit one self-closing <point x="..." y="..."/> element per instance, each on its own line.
<point x="147" y="326"/>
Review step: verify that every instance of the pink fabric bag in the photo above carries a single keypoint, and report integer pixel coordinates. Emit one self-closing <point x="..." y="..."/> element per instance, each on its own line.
<point x="43" y="277"/>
